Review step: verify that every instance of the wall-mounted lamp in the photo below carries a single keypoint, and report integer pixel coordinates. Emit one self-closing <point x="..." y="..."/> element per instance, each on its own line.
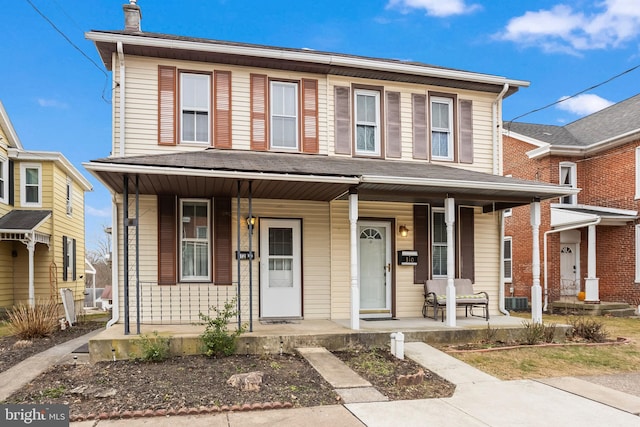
<point x="403" y="230"/>
<point x="251" y="221"/>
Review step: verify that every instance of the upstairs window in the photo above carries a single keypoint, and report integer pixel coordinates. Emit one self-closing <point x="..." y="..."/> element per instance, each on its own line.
<point x="4" y="180"/>
<point x="441" y="128"/>
<point x="31" y="178"/>
<point x="284" y="115"/>
<point x="367" y="107"/>
<point x="195" y="107"/>
<point x="195" y="240"/>
<point x="68" y="258"/>
<point x="568" y="179"/>
<point x="69" y="200"/>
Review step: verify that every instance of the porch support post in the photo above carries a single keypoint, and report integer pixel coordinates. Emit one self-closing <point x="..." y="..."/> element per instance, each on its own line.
<point x="450" y="218"/>
<point x="31" y="246"/>
<point x="536" y="289"/>
<point x="591" y="283"/>
<point x="353" y="240"/>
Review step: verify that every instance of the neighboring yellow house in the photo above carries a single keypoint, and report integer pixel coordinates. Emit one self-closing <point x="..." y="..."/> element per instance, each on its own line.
<point x="42" y="241"/>
<point x="307" y="184"/>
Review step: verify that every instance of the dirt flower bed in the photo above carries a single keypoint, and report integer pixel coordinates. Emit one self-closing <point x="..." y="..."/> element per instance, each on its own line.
<point x="14" y="351"/>
<point x="382" y="370"/>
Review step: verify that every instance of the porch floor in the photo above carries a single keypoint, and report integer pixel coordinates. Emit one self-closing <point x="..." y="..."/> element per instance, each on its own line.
<point x="286" y="337"/>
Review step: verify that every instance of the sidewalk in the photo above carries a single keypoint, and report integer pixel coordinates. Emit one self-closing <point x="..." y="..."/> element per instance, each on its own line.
<point x="479" y="399"/>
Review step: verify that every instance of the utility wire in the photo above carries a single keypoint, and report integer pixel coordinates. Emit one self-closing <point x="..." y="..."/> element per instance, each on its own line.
<point x="74" y="46"/>
<point x="575" y="94"/>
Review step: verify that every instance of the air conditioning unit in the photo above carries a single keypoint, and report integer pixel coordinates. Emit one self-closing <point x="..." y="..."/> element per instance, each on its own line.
<point x="516" y="303"/>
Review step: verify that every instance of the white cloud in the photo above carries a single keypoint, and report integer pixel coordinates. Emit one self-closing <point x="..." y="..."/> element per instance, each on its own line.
<point x="102" y="213"/>
<point x="437" y="8"/>
<point x="584" y="104"/>
<point x="563" y="29"/>
<point x="51" y="103"/>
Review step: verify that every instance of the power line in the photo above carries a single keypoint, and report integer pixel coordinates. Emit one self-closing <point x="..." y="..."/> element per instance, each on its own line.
<point x="73" y="45"/>
<point x="575" y="94"/>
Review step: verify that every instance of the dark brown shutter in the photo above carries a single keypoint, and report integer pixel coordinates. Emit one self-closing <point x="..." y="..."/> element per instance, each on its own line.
<point x="65" y="259"/>
<point x="342" y="120"/>
<point x="222" y="241"/>
<point x="167" y="238"/>
<point x="421" y="243"/>
<point x="466" y="131"/>
<point x="258" y="112"/>
<point x="12" y="178"/>
<point x="166" y="105"/>
<point x="420" y="135"/>
<point x="222" y="107"/>
<point x="466" y="243"/>
<point x="310" y="140"/>
<point x="73" y="254"/>
<point x="394" y="148"/>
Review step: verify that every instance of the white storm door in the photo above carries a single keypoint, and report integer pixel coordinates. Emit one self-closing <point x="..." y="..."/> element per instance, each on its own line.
<point x="280" y="268"/>
<point x="569" y="284"/>
<point x="374" y="258"/>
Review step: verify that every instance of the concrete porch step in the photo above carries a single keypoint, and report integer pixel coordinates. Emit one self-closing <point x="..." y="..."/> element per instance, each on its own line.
<point x="589" y="309"/>
<point x="620" y="312"/>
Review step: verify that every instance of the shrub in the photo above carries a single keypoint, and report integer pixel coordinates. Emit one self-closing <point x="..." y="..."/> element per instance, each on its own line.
<point x="154" y="348"/>
<point x="533" y="333"/>
<point x="38" y="321"/>
<point x="217" y="339"/>
<point x="589" y="329"/>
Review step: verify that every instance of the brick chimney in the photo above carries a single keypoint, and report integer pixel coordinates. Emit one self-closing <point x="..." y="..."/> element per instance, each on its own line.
<point x="132" y="16"/>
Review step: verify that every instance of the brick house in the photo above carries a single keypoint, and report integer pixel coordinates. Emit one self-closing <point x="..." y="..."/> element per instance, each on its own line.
<point x="591" y="239"/>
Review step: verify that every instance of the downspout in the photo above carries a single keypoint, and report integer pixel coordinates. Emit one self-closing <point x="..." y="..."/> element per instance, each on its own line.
<point x="573" y="227"/>
<point x="115" y="308"/>
<point x="122" y="98"/>
<point x="497" y="134"/>
<point x="501" y="290"/>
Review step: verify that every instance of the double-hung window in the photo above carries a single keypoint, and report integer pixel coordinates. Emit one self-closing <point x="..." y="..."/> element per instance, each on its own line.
<point x="195" y="241"/>
<point x="568" y="178"/>
<point x="441" y="128"/>
<point x="69" y="199"/>
<point x="4" y="180"/>
<point x="284" y="115"/>
<point x="68" y="258"/>
<point x="439" y="243"/>
<point x="507" y="259"/>
<point x="195" y="107"/>
<point x="31" y="178"/>
<point x="367" y="107"/>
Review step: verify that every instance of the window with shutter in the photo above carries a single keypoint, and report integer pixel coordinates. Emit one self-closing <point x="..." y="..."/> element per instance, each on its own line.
<point x="310" y="139"/>
<point x="367" y="114"/>
<point x="342" y="112"/>
<point x="222" y="107"/>
<point x="393" y="125"/>
<point x="195" y="240"/>
<point x="195" y="94"/>
<point x="258" y="83"/>
<point x="166" y="105"/>
<point x="4" y="181"/>
<point x="284" y="115"/>
<point x="419" y="104"/>
<point x="441" y="128"/>
<point x="65" y="258"/>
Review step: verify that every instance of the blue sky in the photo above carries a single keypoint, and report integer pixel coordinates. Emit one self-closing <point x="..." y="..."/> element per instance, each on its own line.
<point x="58" y="100"/>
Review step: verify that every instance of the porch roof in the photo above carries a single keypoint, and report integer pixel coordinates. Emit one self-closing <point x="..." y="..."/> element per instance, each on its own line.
<point x="215" y="172"/>
<point x="21" y="225"/>
<point x="574" y="215"/>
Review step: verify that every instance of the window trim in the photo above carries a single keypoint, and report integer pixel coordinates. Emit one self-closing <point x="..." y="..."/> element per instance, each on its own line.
<point x="435" y="211"/>
<point x="23" y="182"/>
<point x="637" y="279"/>
<point x="4" y="180"/>
<point x="296" y="87"/>
<point x="508" y="279"/>
<point x="69" y="196"/>
<point x="181" y="239"/>
<point x="378" y="141"/>
<point x="451" y="102"/>
<point x="637" y="165"/>
<point x="573" y="174"/>
<point x="207" y="77"/>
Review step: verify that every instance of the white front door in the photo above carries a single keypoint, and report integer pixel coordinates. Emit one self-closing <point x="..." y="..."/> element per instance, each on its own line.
<point x="280" y="268"/>
<point x="569" y="284"/>
<point x="375" y="268"/>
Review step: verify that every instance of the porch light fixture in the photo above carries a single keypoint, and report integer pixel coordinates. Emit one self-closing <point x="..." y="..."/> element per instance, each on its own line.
<point x="403" y="230"/>
<point x="251" y="221"/>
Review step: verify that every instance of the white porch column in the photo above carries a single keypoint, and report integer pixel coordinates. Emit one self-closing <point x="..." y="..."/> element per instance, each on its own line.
<point x="353" y="240"/>
<point x="31" y="246"/>
<point x="536" y="289"/>
<point x="450" y="218"/>
<point x="591" y="283"/>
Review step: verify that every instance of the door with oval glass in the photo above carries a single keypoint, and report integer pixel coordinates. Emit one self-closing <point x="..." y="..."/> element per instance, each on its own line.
<point x="375" y="268"/>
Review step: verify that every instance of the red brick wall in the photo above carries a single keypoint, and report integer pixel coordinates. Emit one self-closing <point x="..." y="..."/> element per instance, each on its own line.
<point x="607" y="179"/>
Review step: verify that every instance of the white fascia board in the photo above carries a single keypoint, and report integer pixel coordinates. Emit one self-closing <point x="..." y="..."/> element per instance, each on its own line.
<point x="10" y="131"/>
<point x="602" y="209"/>
<point x="574" y="150"/>
<point x="477" y="185"/>
<point x="208" y="173"/>
<point x="524" y="138"/>
<point x="305" y="56"/>
<point x="52" y="156"/>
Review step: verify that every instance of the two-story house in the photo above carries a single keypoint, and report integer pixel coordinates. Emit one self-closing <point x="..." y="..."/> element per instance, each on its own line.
<point x="591" y="239"/>
<point x="42" y="240"/>
<point x="307" y="184"/>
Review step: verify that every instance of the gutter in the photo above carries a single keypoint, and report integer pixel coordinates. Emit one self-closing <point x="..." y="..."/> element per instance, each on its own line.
<point x="497" y="134"/>
<point x="572" y="227"/>
<point x="122" y="98"/>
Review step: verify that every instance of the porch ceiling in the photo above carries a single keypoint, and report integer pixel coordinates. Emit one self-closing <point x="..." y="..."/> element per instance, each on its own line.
<point x="215" y="172"/>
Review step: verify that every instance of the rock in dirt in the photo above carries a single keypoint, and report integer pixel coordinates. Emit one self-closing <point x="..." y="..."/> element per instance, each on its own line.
<point x="250" y="381"/>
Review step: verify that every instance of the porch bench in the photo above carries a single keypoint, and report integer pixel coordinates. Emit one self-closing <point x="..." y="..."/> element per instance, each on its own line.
<point x="435" y="295"/>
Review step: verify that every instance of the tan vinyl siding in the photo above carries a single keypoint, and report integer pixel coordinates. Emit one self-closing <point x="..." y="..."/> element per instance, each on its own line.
<point x="6" y="278"/>
<point x="487" y="263"/>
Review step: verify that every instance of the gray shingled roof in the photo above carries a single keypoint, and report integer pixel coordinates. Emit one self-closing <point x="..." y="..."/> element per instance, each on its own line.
<point x="20" y="220"/>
